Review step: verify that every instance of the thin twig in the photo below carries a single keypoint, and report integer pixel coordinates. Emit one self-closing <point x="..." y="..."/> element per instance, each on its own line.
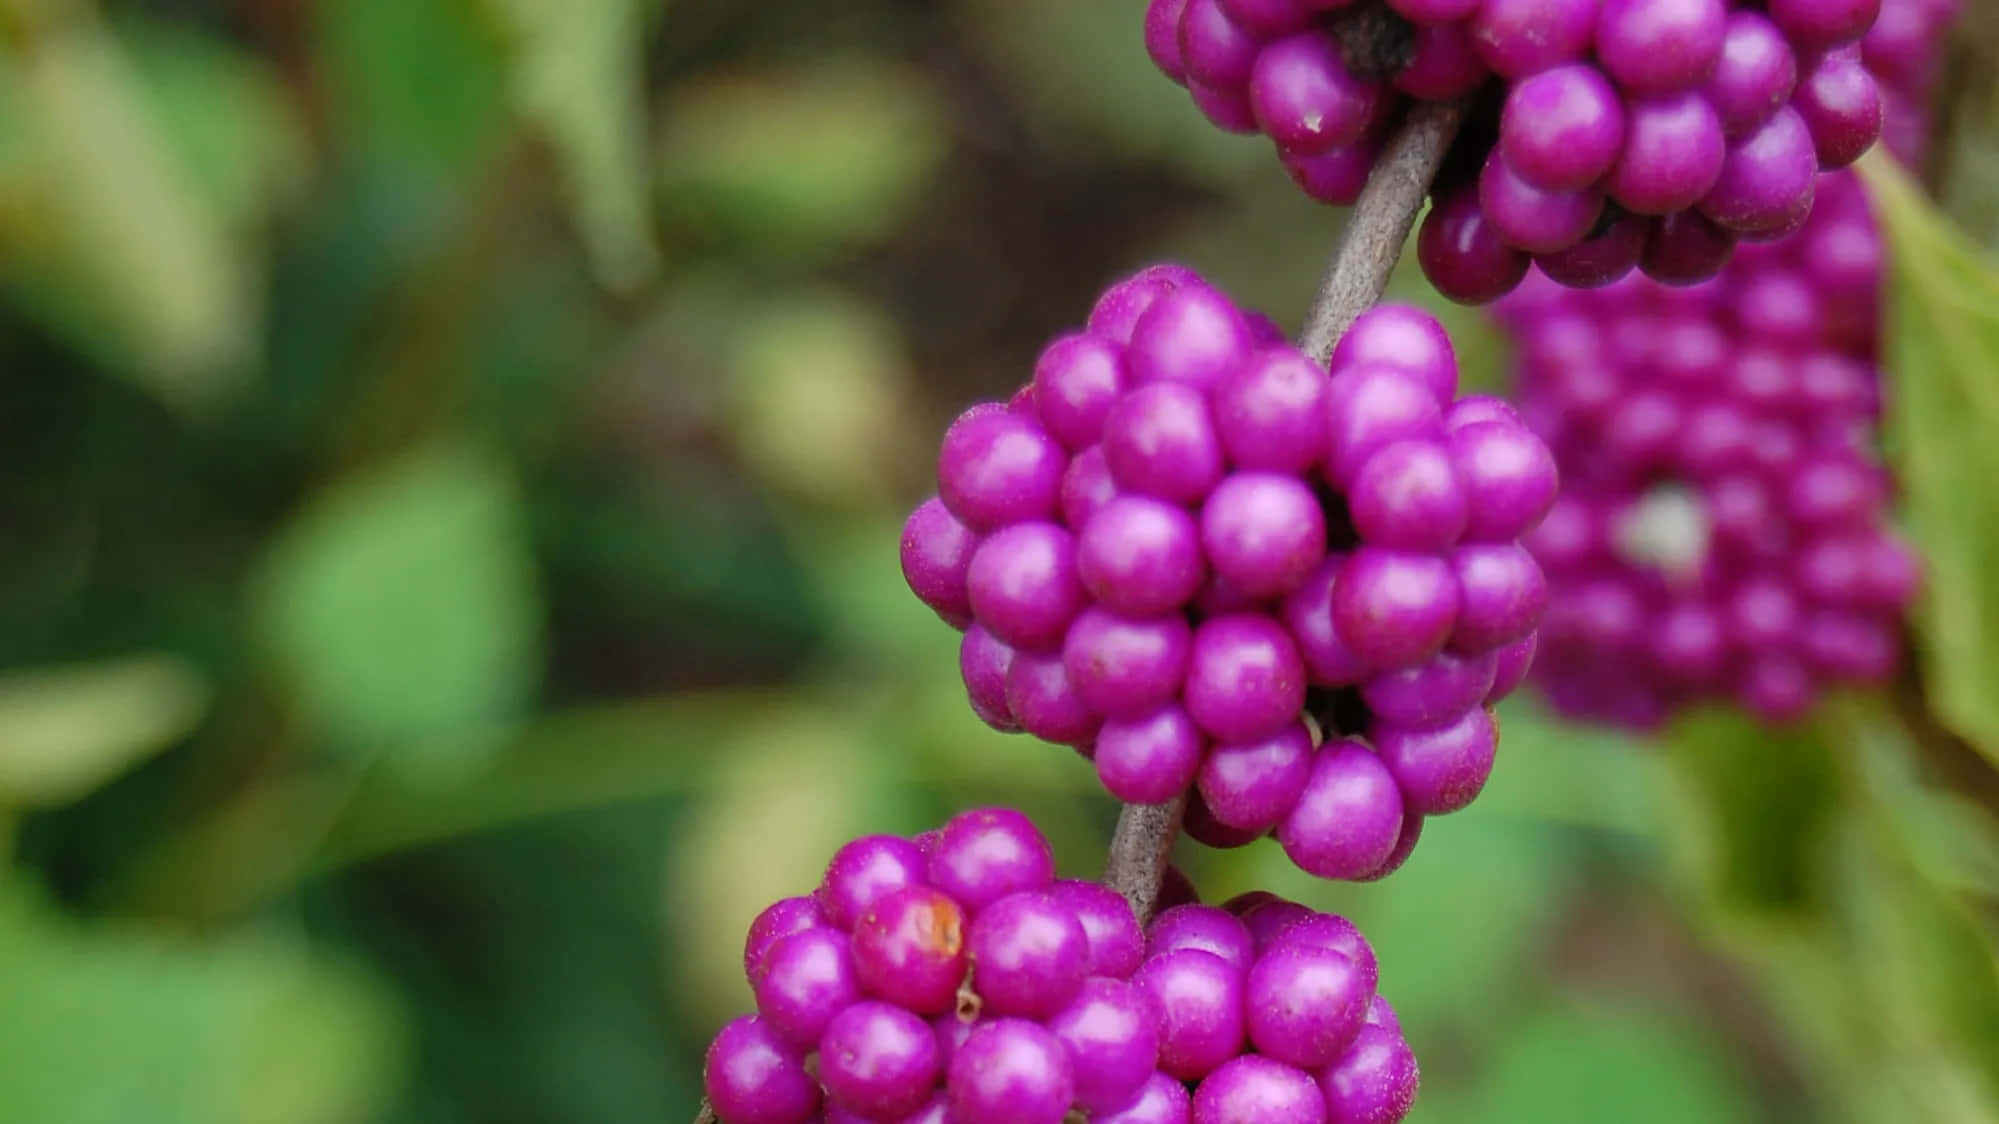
<point x="1141" y="850"/>
<point x="707" y="1114"/>
<point x="1380" y="224"/>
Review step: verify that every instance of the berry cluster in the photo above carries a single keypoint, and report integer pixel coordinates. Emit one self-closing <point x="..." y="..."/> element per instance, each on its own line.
<point x="1604" y="135"/>
<point x="1724" y="529"/>
<point x="1205" y="561"/>
<point x="951" y="977"/>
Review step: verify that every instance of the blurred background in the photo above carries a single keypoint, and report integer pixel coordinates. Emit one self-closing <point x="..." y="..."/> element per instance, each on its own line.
<point x="451" y="460"/>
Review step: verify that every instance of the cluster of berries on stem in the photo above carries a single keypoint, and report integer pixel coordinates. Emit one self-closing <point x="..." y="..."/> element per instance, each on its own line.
<point x="953" y="978"/>
<point x="1604" y="135"/>
<point x="1212" y="563"/>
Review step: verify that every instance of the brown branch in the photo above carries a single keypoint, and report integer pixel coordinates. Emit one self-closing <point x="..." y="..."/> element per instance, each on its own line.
<point x="1380" y="224"/>
<point x="1141" y="850"/>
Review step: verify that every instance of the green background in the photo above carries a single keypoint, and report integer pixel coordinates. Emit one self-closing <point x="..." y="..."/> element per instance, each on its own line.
<point x="451" y="460"/>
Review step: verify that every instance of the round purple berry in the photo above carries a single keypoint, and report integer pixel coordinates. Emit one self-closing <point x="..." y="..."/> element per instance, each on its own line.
<point x="1199" y="997"/>
<point x="753" y="1076"/>
<point x="1346" y="822"/>
<point x="985" y="854"/>
<point x="1029" y="955"/>
<point x="909" y="949"/>
<point x="997" y="467"/>
<point x="1011" y="1071"/>
<point x="1245" y="678"/>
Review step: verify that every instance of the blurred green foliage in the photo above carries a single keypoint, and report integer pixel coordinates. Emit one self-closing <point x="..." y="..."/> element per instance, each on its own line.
<point x="454" y="457"/>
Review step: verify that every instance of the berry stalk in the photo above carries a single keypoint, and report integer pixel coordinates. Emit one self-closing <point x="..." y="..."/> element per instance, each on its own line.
<point x="1379" y="225"/>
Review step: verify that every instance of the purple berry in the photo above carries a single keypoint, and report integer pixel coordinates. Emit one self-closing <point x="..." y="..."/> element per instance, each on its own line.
<point x="1200" y="1001"/>
<point x="1116" y="944"/>
<point x="1126" y="668"/>
<point x="1394" y="608"/>
<point x="1045" y="703"/>
<point x="1149" y="760"/>
<point x="1075" y="382"/>
<point x="878" y="1060"/>
<point x="1824" y="23"/>
<point x="865" y="871"/>
<point x="1502" y="595"/>
<point x="1263" y="532"/>
<point x="1254" y="1088"/>
<point x="1011" y="1071"/>
<point x="1271" y="413"/>
<point x="1404" y="337"/>
<point x="1518" y="38"/>
<point x="1509" y="476"/>
<point x="1306" y="1005"/>
<point x="805" y="980"/>
<point x="1346" y="823"/>
<point x="1563" y="128"/>
<point x="936" y="555"/>
<point x="1160" y="441"/>
<point x="983" y="660"/>
<point x="753" y="1076"/>
<point x="1029" y="955"/>
<point x="1141" y="557"/>
<point x="1841" y="106"/>
<point x="1308" y="613"/>
<point x="1162" y="1100"/>
<point x="985" y="854"/>
<point x="1535" y="219"/>
<point x="997" y="468"/>
<point x="1162" y="37"/>
<point x="1208" y="928"/>
<point x="1245" y="678"/>
<point x="1673" y="155"/>
<point x="1462" y="253"/>
<point x="1252" y="785"/>
<point x="1659" y="46"/>
<point x="779" y="920"/>
<point x="1443" y="769"/>
<point x="1407" y="496"/>
<point x="1754" y="76"/>
<point x="1431" y="694"/>
<point x="909" y="949"/>
<point x="1766" y="181"/>
<point x="1331" y="931"/>
<point x="1214" y="50"/>
<point x="1025" y="586"/>
<point x="1193" y="335"/>
<point x="1305" y="98"/>
<point x="1375" y="1083"/>
<point x="1111" y="1033"/>
<point x="1372" y="407"/>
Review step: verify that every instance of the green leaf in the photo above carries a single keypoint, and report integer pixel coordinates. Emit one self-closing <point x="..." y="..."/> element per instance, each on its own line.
<point x="1756" y="807"/>
<point x="414" y="83"/>
<point x="1587" y="1066"/>
<point x="403" y="604"/>
<point x="112" y="1024"/>
<point x="65" y="731"/>
<point x="576" y="75"/>
<point x="799" y="162"/>
<point x="116" y="246"/>
<point x="228" y="118"/>
<point x="1943" y="350"/>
